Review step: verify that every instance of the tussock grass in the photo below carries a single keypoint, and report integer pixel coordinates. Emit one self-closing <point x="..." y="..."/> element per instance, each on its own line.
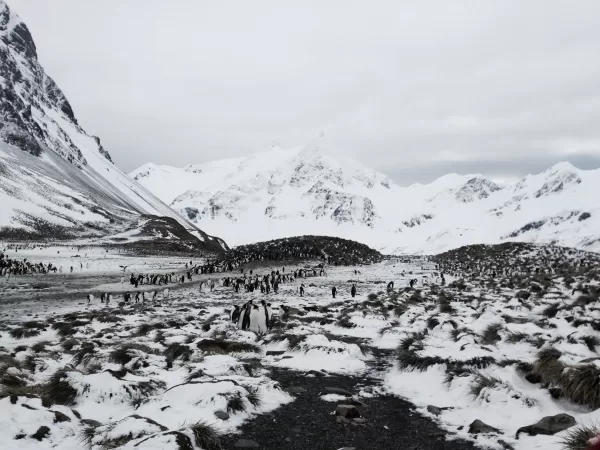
<point x="491" y="334"/>
<point x="552" y="310"/>
<point x="127" y="352"/>
<point x="205" y="436"/>
<point x="40" y="346"/>
<point x="591" y="341"/>
<point x="58" y="391"/>
<point x="223" y="347"/>
<point x="482" y="382"/>
<point x="235" y="403"/>
<point x="579" y="437"/>
<point x="177" y="351"/>
<point x="23" y="332"/>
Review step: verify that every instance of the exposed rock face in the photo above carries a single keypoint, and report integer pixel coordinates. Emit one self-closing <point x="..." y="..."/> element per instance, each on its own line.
<point x="55" y="179"/>
<point x="309" y="191"/>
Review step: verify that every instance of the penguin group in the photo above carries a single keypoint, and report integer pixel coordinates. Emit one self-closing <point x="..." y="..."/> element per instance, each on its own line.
<point x="251" y="317"/>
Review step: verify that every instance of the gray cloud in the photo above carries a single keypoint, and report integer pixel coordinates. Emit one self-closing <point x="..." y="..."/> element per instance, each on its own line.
<point x="414" y="88"/>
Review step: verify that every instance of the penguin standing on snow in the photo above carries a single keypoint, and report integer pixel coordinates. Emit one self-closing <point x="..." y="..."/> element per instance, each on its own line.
<point x="235" y="314"/>
<point x="353" y="291"/>
<point x="90" y="297"/>
<point x="333" y="291"/>
<point x="246" y="315"/>
<point x="268" y="312"/>
<point x="137" y="297"/>
<point x="102" y="297"/>
<point x="166" y="293"/>
<point x="258" y="322"/>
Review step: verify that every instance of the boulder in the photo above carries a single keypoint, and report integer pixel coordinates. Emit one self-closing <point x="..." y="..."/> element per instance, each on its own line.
<point x="434" y="410"/>
<point x="334" y="390"/>
<point x="478" y="427"/>
<point x="41" y="433"/>
<point x="549" y="425"/>
<point x="222" y="415"/>
<point x="347" y="411"/>
<point x="60" y="417"/>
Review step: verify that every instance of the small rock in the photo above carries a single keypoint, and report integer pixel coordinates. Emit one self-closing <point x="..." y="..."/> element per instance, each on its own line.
<point x="360" y="420"/>
<point x="296" y="390"/>
<point x="41" y="433"/>
<point x="314" y="372"/>
<point x="480" y="427"/>
<point x="347" y="411"/>
<point x="434" y="410"/>
<point x="91" y="422"/>
<point x="20" y="436"/>
<point x="275" y="352"/>
<point x="338" y="391"/>
<point x="549" y="425"/>
<point x="13" y="399"/>
<point x="287" y="357"/>
<point x="245" y="443"/>
<point x="222" y="415"/>
<point x="60" y="417"/>
<point x="523" y="295"/>
<point x="76" y="413"/>
<point x="28" y="407"/>
<point x="505" y="445"/>
<point x="341" y="419"/>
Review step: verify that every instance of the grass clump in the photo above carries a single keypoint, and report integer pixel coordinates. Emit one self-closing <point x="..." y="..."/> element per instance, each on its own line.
<point x="580" y="437"/>
<point x="223" y="347"/>
<point x="205" y="436"/>
<point x="58" y="391"/>
<point x="491" y="334"/>
<point x="127" y="352"/>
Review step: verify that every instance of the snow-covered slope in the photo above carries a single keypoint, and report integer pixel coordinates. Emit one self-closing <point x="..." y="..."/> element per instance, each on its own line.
<point x="283" y="193"/>
<point x="54" y="177"/>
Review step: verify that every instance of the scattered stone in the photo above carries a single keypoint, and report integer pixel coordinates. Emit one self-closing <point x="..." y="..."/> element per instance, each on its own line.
<point x="245" y="443"/>
<point x="287" y="357"/>
<point x="76" y="413"/>
<point x="342" y="419"/>
<point x="13" y="399"/>
<point x="41" y="433"/>
<point x="28" y="407"/>
<point x="478" y="427"/>
<point x="549" y="425"/>
<point x="523" y="295"/>
<point x="359" y="420"/>
<point x="222" y="415"/>
<point x="505" y="445"/>
<point x="275" y="352"/>
<point x="60" y="417"/>
<point x="296" y="390"/>
<point x="20" y="436"/>
<point x="91" y="422"/>
<point x="334" y="390"/>
<point x="434" y="410"/>
<point x="347" y="411"/>
<point x="315" y="372"/>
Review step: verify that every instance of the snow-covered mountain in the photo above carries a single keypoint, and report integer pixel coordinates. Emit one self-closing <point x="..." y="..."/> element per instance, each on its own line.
<point x="55" y="179"/>
<point x="282" y="193"/>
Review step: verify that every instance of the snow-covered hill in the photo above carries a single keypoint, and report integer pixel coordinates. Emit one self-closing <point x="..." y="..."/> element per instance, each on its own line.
<point x="55" y="179"/>
<point x="281" y="193"/>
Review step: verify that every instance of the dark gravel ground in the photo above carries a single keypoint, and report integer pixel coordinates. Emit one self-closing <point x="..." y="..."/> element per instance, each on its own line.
<point x="308" y="422"/>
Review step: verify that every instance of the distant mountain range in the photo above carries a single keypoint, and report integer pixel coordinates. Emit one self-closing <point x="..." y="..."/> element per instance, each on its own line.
<point x="56" y="181"/>
<point x="282" y="193"/>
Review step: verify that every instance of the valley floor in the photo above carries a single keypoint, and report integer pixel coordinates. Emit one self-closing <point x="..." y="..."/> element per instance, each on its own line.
<point x="170" y="373"/>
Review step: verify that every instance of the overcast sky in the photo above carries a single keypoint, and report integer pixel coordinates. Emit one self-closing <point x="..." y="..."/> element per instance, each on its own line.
<point x="415" y="89"/>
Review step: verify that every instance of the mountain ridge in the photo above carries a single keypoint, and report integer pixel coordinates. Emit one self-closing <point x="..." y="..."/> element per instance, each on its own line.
<point x="292" y="192"/>
<point x="57" y="180"/>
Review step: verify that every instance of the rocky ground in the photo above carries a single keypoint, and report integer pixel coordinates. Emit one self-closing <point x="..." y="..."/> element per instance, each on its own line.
<point x="471" y="364"/>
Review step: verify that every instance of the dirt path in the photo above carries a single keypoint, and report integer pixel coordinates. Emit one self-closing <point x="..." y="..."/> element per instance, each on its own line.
<point x="308" y="423"/>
